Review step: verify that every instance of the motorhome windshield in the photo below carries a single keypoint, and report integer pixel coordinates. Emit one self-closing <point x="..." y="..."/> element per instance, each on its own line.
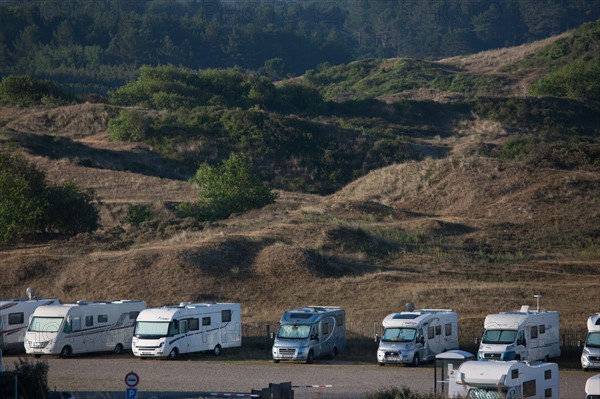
<point x="45" y="324"/>
<point x="293" y="331"/>
<point x="480" y="393"/>
<point x="155" y="329"/>
<point x="395" y="334"/>
<point x="499" y="336"/>
<point x="593" y="340"/>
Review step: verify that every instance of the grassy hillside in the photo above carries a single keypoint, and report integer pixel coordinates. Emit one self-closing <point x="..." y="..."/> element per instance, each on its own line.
<point x="475" y="203"/>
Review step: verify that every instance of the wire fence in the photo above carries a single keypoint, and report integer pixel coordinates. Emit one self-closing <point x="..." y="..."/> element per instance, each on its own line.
<point x="362" y="335"/>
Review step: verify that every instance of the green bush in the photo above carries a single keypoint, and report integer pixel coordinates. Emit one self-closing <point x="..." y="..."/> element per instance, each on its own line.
<point x="24" y="91"/>
<point x="32" y="379"/>
<point x="28" y="205"/>
<point x="581" y="79"/>
<point x="129" y="125"/>
<point x="137" y="214"/>
<point x="401" y="393"/>
<point x="230" y="188"/>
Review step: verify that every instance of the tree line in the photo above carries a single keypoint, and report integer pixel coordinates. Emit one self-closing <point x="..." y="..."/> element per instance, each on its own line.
<point x="97" y="44"/>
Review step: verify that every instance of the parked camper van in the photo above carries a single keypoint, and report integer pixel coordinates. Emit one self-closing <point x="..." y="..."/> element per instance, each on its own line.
<point x="14" y="319"/>
<point x="502" y="379"/>
<point x="188" y="327"/>
<point x="416" y="336"/>
<point x="311" y="332"/>
<point x="590" y="358"/>
<point x="592" y="387"/>
<point x="82" y="327"/>
<point x="520" y="335"/>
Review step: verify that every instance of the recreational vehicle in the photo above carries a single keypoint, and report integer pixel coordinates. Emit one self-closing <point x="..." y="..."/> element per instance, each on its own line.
<point x="14" y="319"/>
<point x="416" y="336"/>
<point x="590" y="358"/>
<point x="513" y="379"/>
<point x="311" y="332"/>
<point x="520" y="335"/>
<point x="592" y="387"/>
<point x="188" y="327"/>
<point x="82" y="327"/>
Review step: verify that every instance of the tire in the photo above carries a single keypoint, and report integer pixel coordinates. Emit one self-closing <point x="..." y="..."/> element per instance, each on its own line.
<point x="275" y="360"/>
<point x="37" y="355"/>
<point x="66" y="352"/>
<point x="381" y="364"/>
<point x="416" y="361"/>
<point x="217" y="350"/>
<point x="118" y="349"/>
<point x="173" y="354"/>
<point x="310" y="359"/>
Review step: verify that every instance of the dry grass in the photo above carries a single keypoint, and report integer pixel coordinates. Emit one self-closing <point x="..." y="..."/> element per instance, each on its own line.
<point x="466" y="232"/>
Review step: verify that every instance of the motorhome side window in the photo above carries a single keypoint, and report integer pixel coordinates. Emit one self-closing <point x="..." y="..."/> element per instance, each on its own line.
<point x="206" y="321"/>
<point x="89" y="321"/>
<point x="514" y="374"/>
<point x="529" y="388"/>
<point x="73" y="325"/>
<point x="548" y="393"/>
<point x="325" y="329"/>
<point x="15" y="318"/>
<point x="534" y="332"/>
<point x="430" y="332"/>
<point x="226" y="315"/>
<point x="548" y="374"/>
<point x="340" y="320"/>
<point x="193" y="324"/>
<point x="448" y="328"/>
<point x="438" y="330"/>
<point x="102" y="318"/>
<point x="542" y="328"/>
<point x="173" y="328"/>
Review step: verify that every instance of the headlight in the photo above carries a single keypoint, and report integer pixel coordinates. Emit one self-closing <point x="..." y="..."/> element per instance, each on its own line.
<point x="161" y="344"/>
<point x="586" y="351"/>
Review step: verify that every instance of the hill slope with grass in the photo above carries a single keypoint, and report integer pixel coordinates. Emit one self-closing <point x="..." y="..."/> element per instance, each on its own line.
<point x="475" y="203"/>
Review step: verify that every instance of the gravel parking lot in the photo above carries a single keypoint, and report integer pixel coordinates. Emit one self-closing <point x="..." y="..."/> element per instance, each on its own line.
<point x="104" y="377"/>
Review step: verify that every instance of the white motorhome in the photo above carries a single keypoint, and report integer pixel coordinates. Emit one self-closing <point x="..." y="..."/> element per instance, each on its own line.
<point x="311" y="332"/>
<point x="590" y="358"/>
<point x="416" y="336"/>
<point x="499" y="380"/>
<point x="185" y="328"/>
<point x="14" y="319"/>
<point x="592" y="387"/>
<point x="82" y="327"/>
<point x="520" y="335"/>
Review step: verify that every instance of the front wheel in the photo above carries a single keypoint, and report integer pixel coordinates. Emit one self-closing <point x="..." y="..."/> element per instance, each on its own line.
<point x="217" y="350"/>
<point x="416" y="361"/>
<point x="275" y="360"/>
<point x="173" y="354"/>
<point x="310" y="359"/>
<point x="66" y="352"/>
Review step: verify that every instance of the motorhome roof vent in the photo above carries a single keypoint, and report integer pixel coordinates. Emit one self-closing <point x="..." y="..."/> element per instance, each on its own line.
<point x="400" y="316"/>
<point x="184" y="304"/>
<point x="82" y="302"/>
<point x="524" y="309"/>
<point x="410" y="307"/>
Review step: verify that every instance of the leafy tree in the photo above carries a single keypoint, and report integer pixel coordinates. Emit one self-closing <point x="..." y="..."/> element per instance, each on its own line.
<point x="229" y="188"/>
<point x="24" y="91"/>
<point x="22" y="197"/>
<point x="129" y="125"/>
<point x="29" y="205"/>
<point x="137" y="214"/>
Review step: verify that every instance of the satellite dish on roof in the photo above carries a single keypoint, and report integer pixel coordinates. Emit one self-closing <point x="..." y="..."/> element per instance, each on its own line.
<point x="30" y="292"/>
<point x="410" y="307"/>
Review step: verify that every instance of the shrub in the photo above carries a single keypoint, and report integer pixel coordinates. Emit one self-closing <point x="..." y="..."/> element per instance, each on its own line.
<point x="400" y="393"/>
<point x="24" y="91"/>
<point x="128" y="126"/>
<point x="137" y="214"/>
<point x="227" y="189"/>
<point x="32" y="379"/>
<point x="71" y="210"/>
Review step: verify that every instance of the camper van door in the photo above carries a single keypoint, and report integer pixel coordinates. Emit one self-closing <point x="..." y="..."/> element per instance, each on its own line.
<point x="327" y="326"/>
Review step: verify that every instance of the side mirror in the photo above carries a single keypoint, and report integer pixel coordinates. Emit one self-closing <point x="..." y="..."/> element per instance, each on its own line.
<point x="422" y="340"/>
<point x="476" y="340"/>
<point x="273" y="335"/>
<point x="377" y="337"/>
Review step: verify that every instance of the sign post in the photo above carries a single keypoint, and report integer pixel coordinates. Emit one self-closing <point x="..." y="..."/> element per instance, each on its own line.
<point x="131" y="380"/>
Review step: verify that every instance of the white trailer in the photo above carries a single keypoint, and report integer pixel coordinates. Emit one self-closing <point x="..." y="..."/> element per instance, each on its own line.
<point x="14" y="319"/>
<point x="590" y="357"/>
<point x="310" y="332"/>
<point x="592" y="387"/>
<point x="520" y="335"/>
<point x="416" y="336"/>
<point x="82" y="327"/>
<point x="185" y="328"/>
<point x="500" y="380"/>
